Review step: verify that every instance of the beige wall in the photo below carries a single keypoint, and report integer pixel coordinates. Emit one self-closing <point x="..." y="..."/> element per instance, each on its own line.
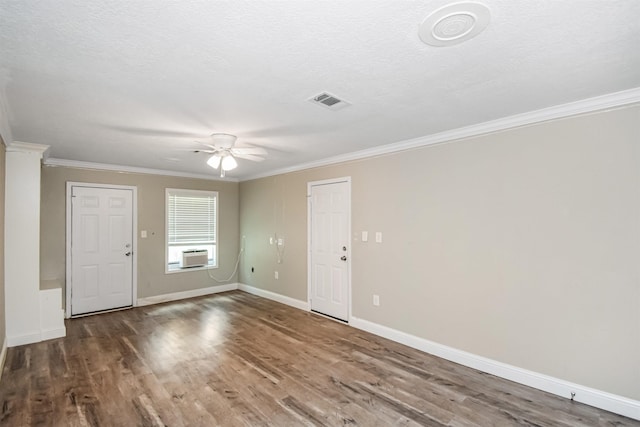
<point x="521" y="246"/>
<point x="152" y="279"/>
<point x="2" y="308"/>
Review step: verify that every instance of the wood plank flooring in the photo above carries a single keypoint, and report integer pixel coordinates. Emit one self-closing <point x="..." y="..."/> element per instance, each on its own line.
<point x="234" y="359"/>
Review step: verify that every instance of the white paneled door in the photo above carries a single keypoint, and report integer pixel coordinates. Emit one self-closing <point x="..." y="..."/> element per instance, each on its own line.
<point x="329" y="207"/>
<point x="101" y="249"/>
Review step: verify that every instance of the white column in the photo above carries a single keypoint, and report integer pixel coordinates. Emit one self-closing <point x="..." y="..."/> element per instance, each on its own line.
<point x="22" y="243"/>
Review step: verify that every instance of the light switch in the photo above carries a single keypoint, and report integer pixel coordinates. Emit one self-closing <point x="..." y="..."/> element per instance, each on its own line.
<point x="143" y="234"/>
<point x="378" y="236"/>
<point x="365" y="236"/>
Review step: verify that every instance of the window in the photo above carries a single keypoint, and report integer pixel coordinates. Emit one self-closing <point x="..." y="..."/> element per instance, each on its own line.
<point x="192" y="224"/>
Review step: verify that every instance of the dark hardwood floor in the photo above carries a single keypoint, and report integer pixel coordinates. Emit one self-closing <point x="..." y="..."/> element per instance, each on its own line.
<point x="236" y="359"/>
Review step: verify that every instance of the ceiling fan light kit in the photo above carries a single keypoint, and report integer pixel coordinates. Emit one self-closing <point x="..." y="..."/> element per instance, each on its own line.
<point x="214" y="161"/>
<point x="225" y="162"/>
<point x="229" y="162"/>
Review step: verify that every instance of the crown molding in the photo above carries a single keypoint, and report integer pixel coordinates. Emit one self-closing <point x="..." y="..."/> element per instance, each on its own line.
<point x="130" y="169"/>
<point x="28" y="147"/>
<point x="585" y="106"/>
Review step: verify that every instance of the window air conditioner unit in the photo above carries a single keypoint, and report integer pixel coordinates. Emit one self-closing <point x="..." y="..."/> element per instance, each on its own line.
<point x="194" y="258"/>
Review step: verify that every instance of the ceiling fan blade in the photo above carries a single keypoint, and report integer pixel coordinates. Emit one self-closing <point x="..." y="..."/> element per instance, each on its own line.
<point x="251" y="157"/>
<point x="153" y="132"/>
<point x="212" y="147"/>
<point x="259" y="151"/>
<point x="198" y="150"/>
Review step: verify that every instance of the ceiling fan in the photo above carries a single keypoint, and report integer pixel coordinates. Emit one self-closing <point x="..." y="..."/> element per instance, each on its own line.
<point x="221" y="146"/>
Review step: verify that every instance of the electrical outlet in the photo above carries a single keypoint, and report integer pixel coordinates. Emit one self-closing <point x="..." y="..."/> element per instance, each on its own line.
<point x="143" y="234"/>
<point x="376" y="300"/>
<point x="365" y="236"/>
<point x="378" y="236"/>
<point x="275" y="275"/>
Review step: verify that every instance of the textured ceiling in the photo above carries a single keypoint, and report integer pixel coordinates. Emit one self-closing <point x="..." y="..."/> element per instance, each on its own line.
<point x="135" y="83"/>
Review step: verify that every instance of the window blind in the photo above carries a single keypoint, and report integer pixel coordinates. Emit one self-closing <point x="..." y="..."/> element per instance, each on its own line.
<point x="191" y="217"/>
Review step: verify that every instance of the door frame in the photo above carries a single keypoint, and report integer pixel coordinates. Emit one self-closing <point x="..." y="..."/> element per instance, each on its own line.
<point x="346" y="179"/>
<point x="134" y="238"/>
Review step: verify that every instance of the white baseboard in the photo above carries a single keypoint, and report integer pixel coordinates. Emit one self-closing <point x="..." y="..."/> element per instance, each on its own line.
<point x="157" y="299"/>
<point x="587" y="395"/>
<point x="3" y="357"/>
<point x="597" y="398"/>
<point x="14" y="341"/>
<point x="43" y="335"/>
<point x="302" y="305"/>
<point x="50" y="334"/>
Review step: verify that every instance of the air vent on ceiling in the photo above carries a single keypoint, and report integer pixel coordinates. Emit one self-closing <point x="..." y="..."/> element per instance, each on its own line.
<point x="329" y="101"/>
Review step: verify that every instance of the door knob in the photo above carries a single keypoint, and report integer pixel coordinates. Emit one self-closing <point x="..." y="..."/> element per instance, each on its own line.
<point x="127" y="253"/>
<point x="343" y="257"/>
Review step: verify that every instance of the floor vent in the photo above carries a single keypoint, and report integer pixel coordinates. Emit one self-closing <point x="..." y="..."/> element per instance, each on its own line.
<point x="329" y="101"/>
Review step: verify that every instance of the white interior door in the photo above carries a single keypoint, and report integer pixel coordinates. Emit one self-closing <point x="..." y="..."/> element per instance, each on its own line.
<point x="329" y="248"/>
<point x="101" y="249"/>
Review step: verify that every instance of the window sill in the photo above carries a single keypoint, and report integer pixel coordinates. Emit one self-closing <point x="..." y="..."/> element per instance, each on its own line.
<point x="171" y="269"/>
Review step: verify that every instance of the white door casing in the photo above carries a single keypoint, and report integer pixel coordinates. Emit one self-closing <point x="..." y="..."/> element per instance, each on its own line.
<point x="329" y="247"/>
<point x="100" y="248"/>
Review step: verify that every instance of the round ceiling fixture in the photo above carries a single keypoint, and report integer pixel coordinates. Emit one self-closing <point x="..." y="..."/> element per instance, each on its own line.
<point x="454" y="23"/>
